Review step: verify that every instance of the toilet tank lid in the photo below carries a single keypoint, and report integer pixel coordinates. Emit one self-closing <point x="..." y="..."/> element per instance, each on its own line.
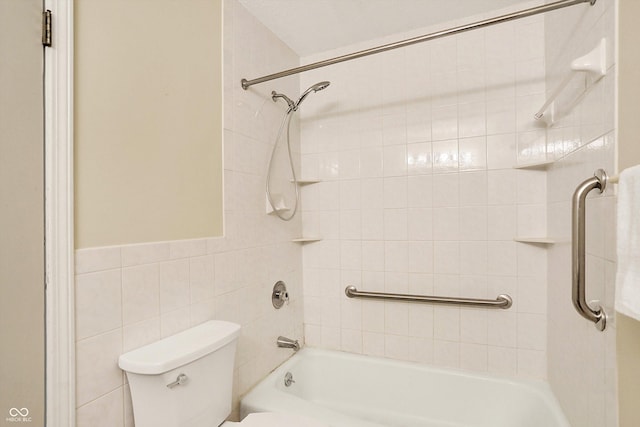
<point x="180" y="349"/>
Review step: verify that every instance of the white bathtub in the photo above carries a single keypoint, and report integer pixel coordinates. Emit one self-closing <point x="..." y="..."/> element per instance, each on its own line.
<point x="347" y="390"/>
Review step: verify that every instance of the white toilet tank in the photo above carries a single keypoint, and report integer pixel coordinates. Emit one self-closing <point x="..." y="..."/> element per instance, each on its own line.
<point x="185" y="379"/>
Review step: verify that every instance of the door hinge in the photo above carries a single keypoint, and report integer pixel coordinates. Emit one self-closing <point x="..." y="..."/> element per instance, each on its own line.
<point x="46" y="28"/>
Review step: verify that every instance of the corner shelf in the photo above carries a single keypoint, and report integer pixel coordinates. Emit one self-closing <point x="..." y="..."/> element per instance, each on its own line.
<point x="543" y="165"/>
<point x="535" y="240"/>
<point x="303" y="240"/>
<point x="302" y="182"/>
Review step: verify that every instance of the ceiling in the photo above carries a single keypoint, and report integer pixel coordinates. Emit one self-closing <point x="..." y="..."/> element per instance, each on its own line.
<point x="313" y="26"/>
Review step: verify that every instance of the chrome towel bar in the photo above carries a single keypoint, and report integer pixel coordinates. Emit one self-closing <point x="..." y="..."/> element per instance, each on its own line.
<point x="502" y="301"/>
<point x="578" y="259"/>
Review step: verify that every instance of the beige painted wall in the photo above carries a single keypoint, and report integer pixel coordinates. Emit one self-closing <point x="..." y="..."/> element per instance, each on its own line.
<point x="148" y="114"/>
<point x="22" y="339"/>
<point x="628" y="338"/>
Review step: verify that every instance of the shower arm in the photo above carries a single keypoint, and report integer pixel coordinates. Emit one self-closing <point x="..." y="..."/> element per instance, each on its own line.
<point x="427" y="37"/>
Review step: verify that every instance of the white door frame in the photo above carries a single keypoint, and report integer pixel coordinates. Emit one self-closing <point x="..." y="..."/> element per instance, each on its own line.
<point x="60" y="328"/>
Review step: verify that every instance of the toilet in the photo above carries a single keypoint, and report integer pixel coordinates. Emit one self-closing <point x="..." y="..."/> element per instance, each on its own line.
<point x="185" y="380"/>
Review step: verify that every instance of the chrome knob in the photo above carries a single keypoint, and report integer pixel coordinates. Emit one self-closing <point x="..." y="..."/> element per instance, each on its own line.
<point x="279" y="295"/>
<point x="288" y="379"/>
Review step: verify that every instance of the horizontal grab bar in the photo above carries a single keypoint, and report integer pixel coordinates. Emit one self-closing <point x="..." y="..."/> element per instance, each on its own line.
<point x="502" y="301"/>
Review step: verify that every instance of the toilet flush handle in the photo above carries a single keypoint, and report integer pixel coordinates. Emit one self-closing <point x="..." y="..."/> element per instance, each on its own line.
<point x="182" y="378"/>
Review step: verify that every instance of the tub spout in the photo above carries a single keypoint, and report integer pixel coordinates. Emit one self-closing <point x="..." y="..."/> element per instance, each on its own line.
<point x="285" y="342"/>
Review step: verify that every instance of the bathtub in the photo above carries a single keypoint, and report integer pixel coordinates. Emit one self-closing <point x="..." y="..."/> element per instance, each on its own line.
<point x="348" y="390"/>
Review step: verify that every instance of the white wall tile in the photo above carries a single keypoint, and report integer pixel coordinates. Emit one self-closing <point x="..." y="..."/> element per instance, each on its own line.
<point x="144" y="254"/>
<point x="107" y="411"/>
<point x="141" y="333"/>
<point x="437" y="203"/>
<point x="394" y="160"/>
<point x="446" y="353"/>
<point x="501" y="121"/>
<point x="98" y="303"/>
<point x="501" y="187"/>
<point x="396" y="347"/>
<point x="420" y="257"/>
<point x="97" y="371"/>
<point x="420" y="192"/>
<point x="373" y="344"/>
<point x="471" y="121"/>
<point x="420" y="224"/>
<point x="351" y="341"/>
<point x="532" y="331"/>
<point x="140" y="293"/>
<point x="474" y="357"/>
<point x="472" y="153"/>
<point x="446" y="190"/>
<point x="445" y="153"/>
<point x="501" y="360"/>
<point x="419" y="158"/>
<point x="173" y="322"/>
<point x="373" y="316"/>
<point x="174" y="285"/>
<point x="371" y="162"/>
<point x="502" y="329"/>
<point x="97" y="259"/>
<point x="446" y="223"/>
<point x="201" y="278"/>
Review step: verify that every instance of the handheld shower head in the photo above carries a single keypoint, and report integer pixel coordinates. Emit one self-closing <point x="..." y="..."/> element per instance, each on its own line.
<point x="293" y="106"/>
<point x="315" y="88"/>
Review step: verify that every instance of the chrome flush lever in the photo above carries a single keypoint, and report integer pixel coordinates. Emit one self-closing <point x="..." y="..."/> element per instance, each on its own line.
<point x="182" y="378"/>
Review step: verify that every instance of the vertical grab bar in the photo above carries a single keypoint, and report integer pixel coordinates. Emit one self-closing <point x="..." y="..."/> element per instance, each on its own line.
<point x="579" y="294"/>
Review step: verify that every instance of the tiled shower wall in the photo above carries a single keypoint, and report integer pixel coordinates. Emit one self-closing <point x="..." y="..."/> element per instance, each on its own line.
<point x="132" y="295"/>
<point x="415" y="150"/>
<point x="581" y="359"/>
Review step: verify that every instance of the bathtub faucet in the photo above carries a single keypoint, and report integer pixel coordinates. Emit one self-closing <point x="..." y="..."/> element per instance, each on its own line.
<point x="285" y="342"/>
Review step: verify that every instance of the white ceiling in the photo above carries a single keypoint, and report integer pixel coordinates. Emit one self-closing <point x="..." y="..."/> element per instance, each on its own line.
<point x="313" y="26"/>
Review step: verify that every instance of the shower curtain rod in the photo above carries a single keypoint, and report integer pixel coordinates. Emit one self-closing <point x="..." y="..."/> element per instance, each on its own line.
<point x="432" y="36"/>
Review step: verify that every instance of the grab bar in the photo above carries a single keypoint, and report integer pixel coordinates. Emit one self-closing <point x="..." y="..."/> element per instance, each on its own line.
<point x="502" y="301"/>
<point x="579" y="294"/>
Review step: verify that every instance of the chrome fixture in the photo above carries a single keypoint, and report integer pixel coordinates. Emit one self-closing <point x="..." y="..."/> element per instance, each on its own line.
<point x="502" y="301"/>
<point x="293" y="106"/>
<point x="578" y="260"/>
<point x="285" y="342"/>
<point x="288" y="379"/>
<point x="275" y="96"/>
<point x="427" y="37"/>
<point x="279" y="295"/>
<point x="286" y="121"/>
<point x="181" y="379"/>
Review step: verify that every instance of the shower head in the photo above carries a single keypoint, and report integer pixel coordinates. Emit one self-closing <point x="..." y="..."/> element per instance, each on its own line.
<point x="315" y="88"/>
<point x="293" y="106"/>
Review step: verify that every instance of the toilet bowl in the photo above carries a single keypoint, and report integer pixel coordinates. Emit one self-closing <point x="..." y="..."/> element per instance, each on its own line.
<point x="186" y="380"/>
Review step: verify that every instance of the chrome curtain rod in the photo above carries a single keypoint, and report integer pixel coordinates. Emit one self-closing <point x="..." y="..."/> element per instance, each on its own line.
<point x="438" y="34"/>
<point x="502" y="301"/>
